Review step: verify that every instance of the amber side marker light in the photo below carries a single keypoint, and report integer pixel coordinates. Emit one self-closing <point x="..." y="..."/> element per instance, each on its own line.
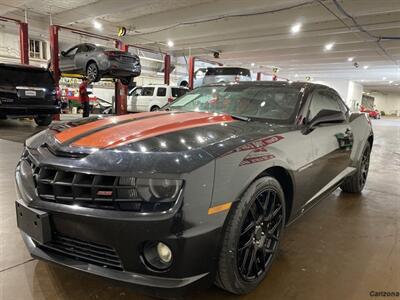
<point x="219" y="208"/>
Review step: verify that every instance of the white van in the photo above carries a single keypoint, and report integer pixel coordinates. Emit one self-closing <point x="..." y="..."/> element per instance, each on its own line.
<point x="153" y="97"/>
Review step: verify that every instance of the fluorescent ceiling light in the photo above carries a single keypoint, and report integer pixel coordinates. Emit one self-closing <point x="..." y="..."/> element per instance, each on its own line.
<point x="391" y="81"/>
<point x="350" y="59"/>
<point x="295" y="28"/>
<point x="97" y="25"/>
<point x="366" y="67"/>
<point x="253" y="64"/>
<point x="170" y="43"/>
<point x="329" y="46"/>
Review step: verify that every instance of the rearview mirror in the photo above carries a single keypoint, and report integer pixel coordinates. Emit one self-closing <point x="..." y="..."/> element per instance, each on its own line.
<point x="63" y="53"/>
<point x="325" y="116"/>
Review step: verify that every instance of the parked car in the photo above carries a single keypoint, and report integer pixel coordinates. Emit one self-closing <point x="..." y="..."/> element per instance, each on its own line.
<point x="153" y="97"/>
<point x="373" y="113"/>
<point x="96" y="62"/>
<point x="27" y="91"/>
<point x="211" y="75"/>
<point x="197" y="193"/>
<point x="226" y="74"/>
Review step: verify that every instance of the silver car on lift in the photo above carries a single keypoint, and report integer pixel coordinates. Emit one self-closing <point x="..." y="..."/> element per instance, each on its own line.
<point x="96" y="62"/>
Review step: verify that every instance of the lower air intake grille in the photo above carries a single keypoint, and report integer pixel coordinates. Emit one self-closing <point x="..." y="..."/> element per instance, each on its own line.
<point x="92" y="253"/>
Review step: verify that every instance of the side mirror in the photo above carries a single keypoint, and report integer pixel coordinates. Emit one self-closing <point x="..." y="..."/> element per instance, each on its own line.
<point x="323" y="117"/>
<point x="63" y="53"/>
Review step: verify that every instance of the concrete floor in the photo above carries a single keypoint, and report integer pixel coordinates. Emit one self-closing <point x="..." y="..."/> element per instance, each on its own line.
<point x="345" y="247"/>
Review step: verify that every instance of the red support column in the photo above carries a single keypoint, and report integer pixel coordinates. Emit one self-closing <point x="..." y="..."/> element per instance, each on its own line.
<point x="258" y="76"/>
<point x="54" y="49"/>
<point x="54" y="59"/>
<point x="24" y="43"/>
<point x="191" y="71"/>
<point x="167" y="68"/>
<point x="121" y="90"/>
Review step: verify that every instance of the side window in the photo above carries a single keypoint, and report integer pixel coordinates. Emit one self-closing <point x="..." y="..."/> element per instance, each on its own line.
<point x="72" y="51"/>
<point x="161" y="92"/>
<point x="342" y="106"/>
<point x="148" y="91"/>
<point x="82" y="48"/>
<point x="322" y="99"/>
<point x="175" y="92"/>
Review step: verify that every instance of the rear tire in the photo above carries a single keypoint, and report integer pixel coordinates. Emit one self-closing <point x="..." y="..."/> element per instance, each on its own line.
<point x="43" y="120"/>
<point x="92" y="72"/>
<point x="251" y="239"/>
<point x="154" y="108"/>
<point x="356" y="182"/>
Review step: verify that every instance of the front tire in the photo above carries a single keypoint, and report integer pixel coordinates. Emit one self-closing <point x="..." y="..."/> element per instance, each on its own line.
<point x="356" y="182"/>
<point x="154" y="108"/>
<point x="43" y="120"/>
<point x="251" y="238"/>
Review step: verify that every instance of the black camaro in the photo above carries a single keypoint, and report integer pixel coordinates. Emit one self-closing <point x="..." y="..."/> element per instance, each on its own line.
<point x="195" y="194"/>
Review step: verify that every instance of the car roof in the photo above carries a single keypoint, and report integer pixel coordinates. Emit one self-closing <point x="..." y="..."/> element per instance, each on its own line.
<point x="296" y="84"/>
<point x="162" y="85"/>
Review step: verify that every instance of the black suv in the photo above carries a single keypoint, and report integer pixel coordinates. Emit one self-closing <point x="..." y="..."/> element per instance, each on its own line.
<point x="27" y="91"/>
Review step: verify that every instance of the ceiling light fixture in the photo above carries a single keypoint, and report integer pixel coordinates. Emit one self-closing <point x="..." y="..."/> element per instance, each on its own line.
<point x="391" y="81"/>
<point x="329" y="46"/>
<point x="170" y="43"/>
<point x="366" y="67"/>
<point x="383" y="78"/>
<point x="253" y="64"/>
<point x="97" y="25"/>
<point x="295" y="28"/>
<point x="350" y="59"/>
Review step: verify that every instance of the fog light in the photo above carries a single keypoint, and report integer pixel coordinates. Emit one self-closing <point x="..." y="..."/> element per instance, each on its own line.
<point x="164" y="252"/>
<point x="157" y="255"/>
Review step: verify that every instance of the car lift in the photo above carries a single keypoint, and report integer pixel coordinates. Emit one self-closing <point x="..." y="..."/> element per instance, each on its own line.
<point x="23" y="38"/>
<point x="192" y="61"/>
<point x="121" y="90"/>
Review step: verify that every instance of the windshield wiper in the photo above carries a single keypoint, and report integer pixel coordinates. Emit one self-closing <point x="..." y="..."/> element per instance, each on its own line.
<point x="241" y="118"/>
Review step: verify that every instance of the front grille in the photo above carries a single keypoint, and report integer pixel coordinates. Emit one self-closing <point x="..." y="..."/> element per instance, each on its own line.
<point x="89" y="252"/>
<point x="88" y="190"/>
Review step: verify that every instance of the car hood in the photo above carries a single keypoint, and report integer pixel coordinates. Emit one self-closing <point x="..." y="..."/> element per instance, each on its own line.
<point x="151" y="142"/>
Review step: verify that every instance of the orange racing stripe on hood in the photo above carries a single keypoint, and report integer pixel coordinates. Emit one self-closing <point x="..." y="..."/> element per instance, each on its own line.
<point x="74" y="132"/>
<point x="142" y="129"/>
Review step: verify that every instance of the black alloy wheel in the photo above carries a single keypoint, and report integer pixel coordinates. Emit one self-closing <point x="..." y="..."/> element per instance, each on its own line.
<point x="259" y="236"/>
<point x="251" y="237"/>
<point x="356" y="182"/>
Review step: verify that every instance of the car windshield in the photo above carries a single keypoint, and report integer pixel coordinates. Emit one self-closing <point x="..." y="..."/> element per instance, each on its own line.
<point x="257" y="102"/>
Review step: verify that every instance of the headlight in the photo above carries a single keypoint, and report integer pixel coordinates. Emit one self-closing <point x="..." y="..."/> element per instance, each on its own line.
<point x="150" y="189"/>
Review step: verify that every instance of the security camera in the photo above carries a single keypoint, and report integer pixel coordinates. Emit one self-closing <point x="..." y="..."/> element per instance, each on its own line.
<point x="356" y="65"/>
<point x="216" y="54"/>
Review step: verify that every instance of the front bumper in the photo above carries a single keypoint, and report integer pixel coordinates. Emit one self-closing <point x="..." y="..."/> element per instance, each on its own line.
<point x="28" y="110"/>
<point x="152" y="285"/>
<point x="194" y="244"/>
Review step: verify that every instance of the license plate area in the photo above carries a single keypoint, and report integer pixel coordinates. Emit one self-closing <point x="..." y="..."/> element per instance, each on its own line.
<point x="34" y="223"/>
<point x="30" y="93"/>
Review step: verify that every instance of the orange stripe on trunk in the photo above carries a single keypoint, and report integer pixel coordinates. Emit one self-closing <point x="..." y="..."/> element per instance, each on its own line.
<point x="74" y="132"/>
<point x="142" y="129"/>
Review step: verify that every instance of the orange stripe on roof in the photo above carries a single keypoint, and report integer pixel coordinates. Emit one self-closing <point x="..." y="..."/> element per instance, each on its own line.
<point x="74" y="132"/>
<point x="142" y="129"/>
